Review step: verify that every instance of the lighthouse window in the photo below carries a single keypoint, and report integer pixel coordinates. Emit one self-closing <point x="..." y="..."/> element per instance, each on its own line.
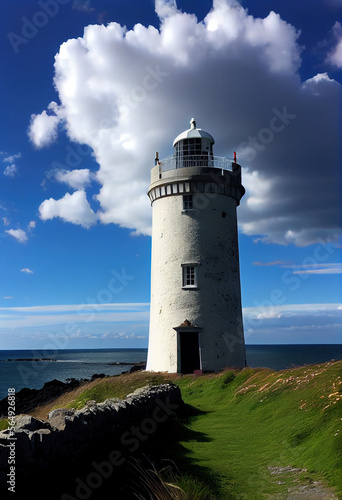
<point x="187" y="202"/>
<point x="191" y="147"/>
<point x="189" y="276"/>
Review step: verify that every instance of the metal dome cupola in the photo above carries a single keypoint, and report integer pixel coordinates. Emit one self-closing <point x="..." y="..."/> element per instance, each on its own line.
<point x="194" y="142"/>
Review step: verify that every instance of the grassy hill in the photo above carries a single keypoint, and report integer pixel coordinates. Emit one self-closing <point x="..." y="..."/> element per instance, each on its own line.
<point x="264" y="432"/>
<point x="249" y="434"/>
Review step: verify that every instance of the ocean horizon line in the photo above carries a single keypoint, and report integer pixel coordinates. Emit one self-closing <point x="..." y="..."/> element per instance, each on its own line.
<point x="145" y="348"/>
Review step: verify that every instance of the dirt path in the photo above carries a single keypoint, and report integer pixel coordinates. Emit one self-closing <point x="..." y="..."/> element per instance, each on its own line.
<point x="299" y="488"/>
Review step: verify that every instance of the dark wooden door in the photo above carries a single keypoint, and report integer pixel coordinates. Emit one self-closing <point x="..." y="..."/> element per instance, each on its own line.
<point x="189" y="352"/>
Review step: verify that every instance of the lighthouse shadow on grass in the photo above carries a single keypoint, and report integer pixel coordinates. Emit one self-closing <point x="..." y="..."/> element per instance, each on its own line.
<point x="164" y="469"/>
<point x="185" y="464"/>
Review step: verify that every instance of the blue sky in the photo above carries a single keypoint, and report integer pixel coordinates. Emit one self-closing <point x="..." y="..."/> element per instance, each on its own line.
<point x="78" y="137"/>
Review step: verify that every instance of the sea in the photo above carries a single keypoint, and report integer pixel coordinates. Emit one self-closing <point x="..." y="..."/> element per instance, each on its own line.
<point x="32" y="369"/>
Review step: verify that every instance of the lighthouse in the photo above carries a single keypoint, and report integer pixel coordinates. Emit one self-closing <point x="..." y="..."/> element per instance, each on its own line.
<point x="196" y="314"/>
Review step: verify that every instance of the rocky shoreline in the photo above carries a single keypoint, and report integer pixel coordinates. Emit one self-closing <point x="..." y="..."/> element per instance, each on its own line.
<point x="116" y="363"/>
<point x="28" y="359"/>
<point x="28" y="399"/>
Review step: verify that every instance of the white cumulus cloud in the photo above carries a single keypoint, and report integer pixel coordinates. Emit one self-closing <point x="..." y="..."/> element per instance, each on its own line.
<point x="26" y="270"/>
<point x="128" y="93"/>
<point x="43" y="127"/>
<point x="334" y="56"/>
<point x="11" y="170"/>
<point x="77" y="179"/>
<point x="71" y="208"/>
<point x="12" y="158"/>
<point x="18" y="234"/>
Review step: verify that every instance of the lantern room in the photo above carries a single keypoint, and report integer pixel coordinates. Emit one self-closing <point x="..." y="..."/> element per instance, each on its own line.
<point x="193" y="147"/>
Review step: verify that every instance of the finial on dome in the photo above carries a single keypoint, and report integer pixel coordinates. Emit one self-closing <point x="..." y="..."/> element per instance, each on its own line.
<point x="192" y="123"/>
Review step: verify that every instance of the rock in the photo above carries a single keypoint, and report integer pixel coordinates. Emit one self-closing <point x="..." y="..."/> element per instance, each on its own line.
<point x="91" y="402"/>
<point x="60" y="412"/>
<point x="29" y="423"/>
<point x="57" y="418"/>
<point x="4" y="435"/>
<point x="138" y="367"/>
<point x="98" y="375"/>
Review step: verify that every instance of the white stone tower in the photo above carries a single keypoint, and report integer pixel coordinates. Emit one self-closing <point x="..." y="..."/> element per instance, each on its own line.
<point x="196" y="317"/>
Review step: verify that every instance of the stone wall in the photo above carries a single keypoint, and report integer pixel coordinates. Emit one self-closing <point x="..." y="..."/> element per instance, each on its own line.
<point x="68" y="435"/>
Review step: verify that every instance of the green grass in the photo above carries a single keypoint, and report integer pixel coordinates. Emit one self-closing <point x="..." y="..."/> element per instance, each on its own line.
<point x="114" y="387"/>
<point x="3" y="424"/>
<point x="165" y="483"/>
<point x="239" y="426"/>
<point x="256" y="419"/>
